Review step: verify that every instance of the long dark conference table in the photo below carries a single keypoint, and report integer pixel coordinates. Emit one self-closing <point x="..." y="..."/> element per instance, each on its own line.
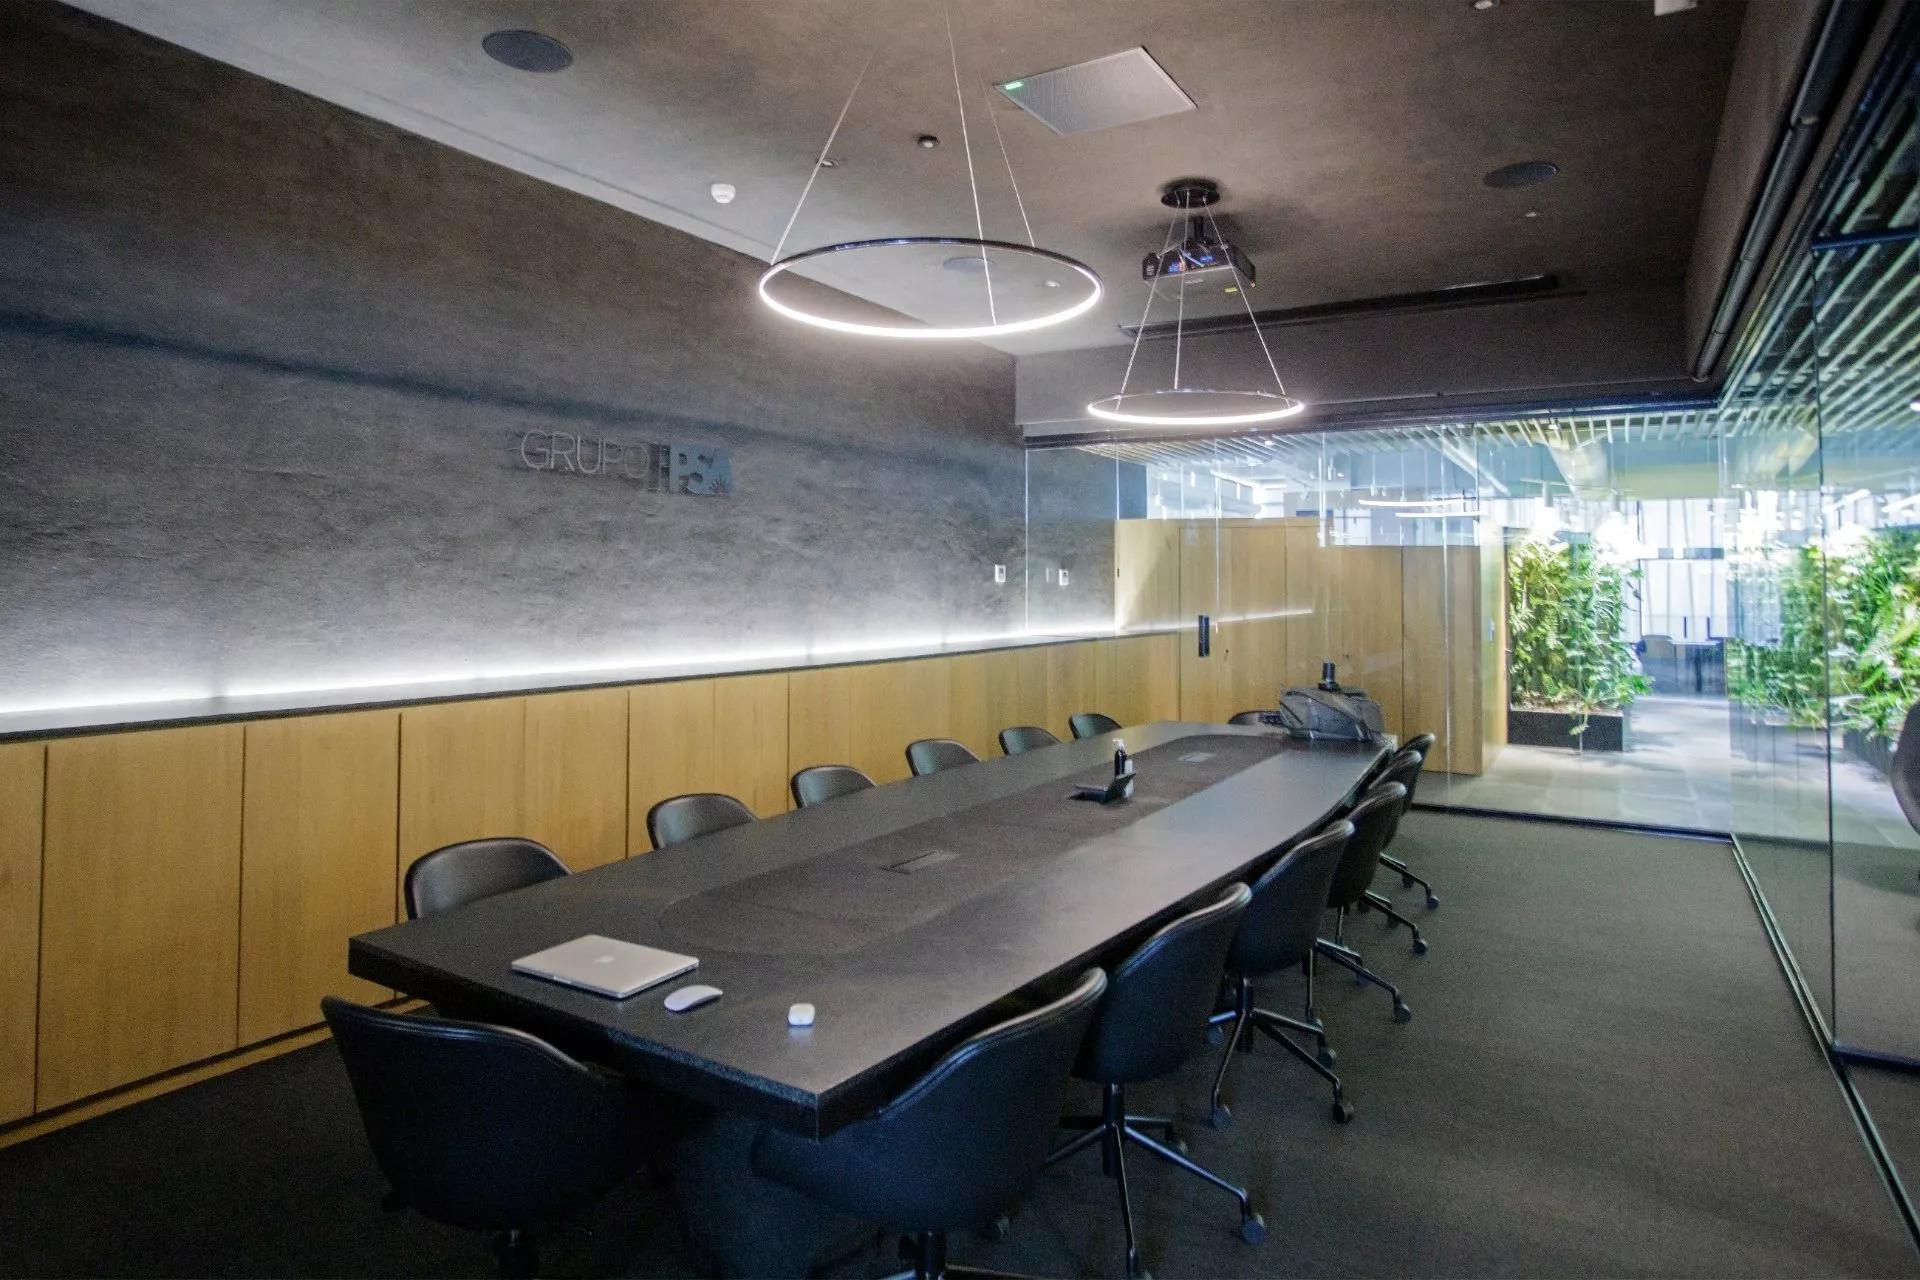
<point x="903" y="913"/>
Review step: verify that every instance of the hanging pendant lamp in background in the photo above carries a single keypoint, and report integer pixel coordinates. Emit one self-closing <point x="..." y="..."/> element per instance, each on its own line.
<point x="1056" y="268"/>
<point x="1188" y="406"/>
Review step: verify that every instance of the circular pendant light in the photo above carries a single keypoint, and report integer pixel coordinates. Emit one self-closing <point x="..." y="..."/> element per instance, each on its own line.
<point x="1195" y="407"/>
<point x="1088" y="295"/>
<point x="1079" y="300"/>
<point x="1178" y="406"/>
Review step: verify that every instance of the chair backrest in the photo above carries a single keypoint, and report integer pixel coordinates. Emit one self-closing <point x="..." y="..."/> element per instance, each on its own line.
<point x="1422" y="743"/>
<point x="1905" y="773"/>
<point x="481" y="1126"/>
<point x="1373" y="819"/>
<point x="822" y="782"/>
<point x="1090" y="724"/>
<point x="457" y="874"/>
<point x="681" y="818"/>
<point x="931" y="755"/>
<point x="1023" y="738"/>
<point x="1288" y="900"/>
<point x="1159" y="998"/>
<point x="963" y="1143"/>
<point x="1247" y="717"/>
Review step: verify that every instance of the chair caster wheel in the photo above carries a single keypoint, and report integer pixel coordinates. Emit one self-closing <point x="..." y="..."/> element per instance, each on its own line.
<point x="1419" y="946"/>
<point x="1222" y="1116"/>
<point x="1402" y="1012"/>
<point x="1433" y="903"/>
<point x="1343" y="1112"/>
<point x="1253" y="1229"/>
<point x="1326" y="1057"/>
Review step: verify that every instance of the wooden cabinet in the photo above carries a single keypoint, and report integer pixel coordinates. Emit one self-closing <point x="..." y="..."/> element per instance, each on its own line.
<point x="140" y="924"/>
<point x="318" y="859"/>
<point x="460" y="774"/>
<point x="574" y="776"/>
<point x="22" y="789"/>
<point x="892" y="704"/>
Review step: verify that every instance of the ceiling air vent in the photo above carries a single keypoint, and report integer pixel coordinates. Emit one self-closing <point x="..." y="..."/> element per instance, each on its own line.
<point x="1117" y="89"/>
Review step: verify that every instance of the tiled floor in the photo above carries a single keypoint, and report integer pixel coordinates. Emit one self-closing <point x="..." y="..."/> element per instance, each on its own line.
<point x="1673" y="772"/>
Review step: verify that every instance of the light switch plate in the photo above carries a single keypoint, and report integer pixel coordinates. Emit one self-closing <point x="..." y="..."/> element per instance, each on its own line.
<point x="1063" y="577"/>
<point x="999" y="573"/>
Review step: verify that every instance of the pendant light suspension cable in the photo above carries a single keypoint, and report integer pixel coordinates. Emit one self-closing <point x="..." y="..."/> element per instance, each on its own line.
<point x="1091" y="288"/>
<point x="1240" y="287"/>
<point x="821" y="160"/>
<point x="973" y="183"/>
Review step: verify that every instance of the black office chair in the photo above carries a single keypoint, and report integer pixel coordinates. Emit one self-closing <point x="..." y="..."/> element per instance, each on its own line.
<point x="460" y="873"/>
<point x="1279" y="931"/>
<point x="1156" y="1007"/>
<point x="822" y="782"/>
<point x="484" y="1127"/>
<point x="1090" y="724"/>
<point x="1407" y="774"/>
<point x="961" y="1145"/>
<point x="1024" y="738"/>
<point x="1373" y="819"/>
<point x="931" y="755"/>
<point x="679" y="819"/>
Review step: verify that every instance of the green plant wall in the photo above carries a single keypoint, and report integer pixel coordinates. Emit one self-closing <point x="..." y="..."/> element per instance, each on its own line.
<point x="1565" y="606"/>
<point x="1849" y="638"/>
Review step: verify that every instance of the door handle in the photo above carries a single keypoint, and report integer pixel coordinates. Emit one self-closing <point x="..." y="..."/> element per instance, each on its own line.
<point x="1206" y="635"/>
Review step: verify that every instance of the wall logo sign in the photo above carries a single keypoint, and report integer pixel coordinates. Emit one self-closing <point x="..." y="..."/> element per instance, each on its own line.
<point x="697" y="469"/>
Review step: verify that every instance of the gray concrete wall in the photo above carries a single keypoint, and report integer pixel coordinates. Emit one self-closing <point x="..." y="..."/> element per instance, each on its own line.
<point x="265" y="366"/>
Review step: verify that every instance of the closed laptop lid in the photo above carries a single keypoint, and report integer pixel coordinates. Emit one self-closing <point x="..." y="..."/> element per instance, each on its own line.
<point x="605" y="965"/>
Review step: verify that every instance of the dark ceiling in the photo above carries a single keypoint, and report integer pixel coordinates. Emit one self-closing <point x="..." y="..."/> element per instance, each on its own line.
<point x="1350" y="136"/>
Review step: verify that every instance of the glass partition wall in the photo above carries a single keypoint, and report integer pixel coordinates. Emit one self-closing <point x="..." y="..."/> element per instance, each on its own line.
<point x="1706" y="618"/>
<point x="1547" y="597"/>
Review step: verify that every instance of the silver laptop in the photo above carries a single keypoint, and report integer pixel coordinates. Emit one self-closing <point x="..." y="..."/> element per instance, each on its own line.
<point x="605" y="965"/>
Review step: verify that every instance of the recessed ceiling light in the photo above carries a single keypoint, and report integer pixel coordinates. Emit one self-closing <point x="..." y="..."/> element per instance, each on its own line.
<point x="927" y="141"/>
<point x="1533" y="213"/>
<point x="527" y="51"/>
<point x="722" y="192"/>
<point x="1231" y="289"/>
<point x="1481" y="6"/>
<point x="1527" y="173"/>
<point x="828" y="162"/>
<point x="1051" y="284"/>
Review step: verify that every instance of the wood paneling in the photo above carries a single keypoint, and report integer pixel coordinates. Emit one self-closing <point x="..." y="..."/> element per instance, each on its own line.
<point x="1252" y="642"/>
<point x="1441" y="681"/>
<point x="461" y="767"/>
<point x="22" y="789"/>
<point x="1146" y="573"/>
<point x="819" y="718"/>
<point x="750" y="736"/>
<point x="670" y="748"/>
<point x="985" y="699"/>
<point x="1162" y="676"/>
<point x="317" y="861"/>
<point x="894" y="703"/>
<point x="574" y="799"/>
<point x="1072" y="685"/>
<point x="1202" y="680"/>
<point x="140" y="906"/>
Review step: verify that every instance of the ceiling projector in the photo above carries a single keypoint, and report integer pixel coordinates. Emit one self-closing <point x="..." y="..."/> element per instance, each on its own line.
<point x="1201" y="254"/>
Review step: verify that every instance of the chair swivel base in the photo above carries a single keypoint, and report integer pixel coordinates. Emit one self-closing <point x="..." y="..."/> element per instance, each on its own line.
<point x="1246" y="1016"/>
<point x="1408" y="879"/>
<point x="1380" y="903"/>
<point x="1112" y="1132"/>
<point x="927" y="1250"/>
<point x="1349" y="959"/>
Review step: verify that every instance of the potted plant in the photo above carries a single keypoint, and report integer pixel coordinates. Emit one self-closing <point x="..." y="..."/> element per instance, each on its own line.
<point x="1570" y="676"/>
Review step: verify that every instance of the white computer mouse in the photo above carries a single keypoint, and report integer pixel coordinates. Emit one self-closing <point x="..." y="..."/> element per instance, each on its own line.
<point x="692" y="996"/>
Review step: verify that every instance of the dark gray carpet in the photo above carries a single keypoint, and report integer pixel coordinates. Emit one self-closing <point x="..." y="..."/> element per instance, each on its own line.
<point x="1605" y="1075"/>
<point x="1893" y="1104"/>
